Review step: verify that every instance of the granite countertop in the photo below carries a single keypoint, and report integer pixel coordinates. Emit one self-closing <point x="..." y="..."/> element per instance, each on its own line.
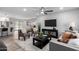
<point x="64" y="44"/>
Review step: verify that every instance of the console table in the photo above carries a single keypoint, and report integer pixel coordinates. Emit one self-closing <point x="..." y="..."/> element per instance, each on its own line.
<point x="53" y="31"/>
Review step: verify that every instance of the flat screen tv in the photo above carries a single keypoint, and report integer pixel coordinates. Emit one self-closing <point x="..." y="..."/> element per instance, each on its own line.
<point x="50" y="23"/>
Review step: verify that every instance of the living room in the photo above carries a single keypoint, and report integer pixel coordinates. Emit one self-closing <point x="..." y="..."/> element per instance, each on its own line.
<point x="24" y="19"/>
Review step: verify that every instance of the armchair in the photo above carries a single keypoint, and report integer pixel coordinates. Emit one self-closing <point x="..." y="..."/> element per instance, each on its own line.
<point x="21" y="34"/>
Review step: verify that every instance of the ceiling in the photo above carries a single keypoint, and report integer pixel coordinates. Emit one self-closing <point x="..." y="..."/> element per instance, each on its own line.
<point x="30" y="11"/>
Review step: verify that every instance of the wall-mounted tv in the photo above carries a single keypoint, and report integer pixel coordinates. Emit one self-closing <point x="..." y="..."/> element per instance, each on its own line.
<point x="50" y="23"/>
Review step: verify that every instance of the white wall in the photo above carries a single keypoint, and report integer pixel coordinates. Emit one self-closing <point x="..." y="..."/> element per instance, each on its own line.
<point x="64" y="19"/>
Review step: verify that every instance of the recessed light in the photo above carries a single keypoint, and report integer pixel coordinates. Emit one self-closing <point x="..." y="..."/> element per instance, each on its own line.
<point x="24" y="9"/>
<point x="61" y="8"/>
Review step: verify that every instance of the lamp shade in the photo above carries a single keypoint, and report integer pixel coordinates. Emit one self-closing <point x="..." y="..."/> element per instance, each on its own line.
<point x="73" y="24"/>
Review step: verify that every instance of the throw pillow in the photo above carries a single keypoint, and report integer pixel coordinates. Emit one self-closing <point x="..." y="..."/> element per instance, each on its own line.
<point x="66" y="37"/>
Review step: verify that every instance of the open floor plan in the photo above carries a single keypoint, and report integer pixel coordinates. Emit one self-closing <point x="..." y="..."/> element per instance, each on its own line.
<point x="39" y="28"/>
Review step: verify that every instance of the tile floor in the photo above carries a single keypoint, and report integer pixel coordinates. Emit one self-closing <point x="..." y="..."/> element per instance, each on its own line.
<point x="20" y="45"/>
<point x="11" y="44"/>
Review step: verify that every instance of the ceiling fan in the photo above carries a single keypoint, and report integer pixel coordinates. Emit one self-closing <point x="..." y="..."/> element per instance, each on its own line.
<point x="44" y="11"/>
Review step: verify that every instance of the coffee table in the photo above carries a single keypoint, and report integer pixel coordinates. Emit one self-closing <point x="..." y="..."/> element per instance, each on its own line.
<point x="40" y="42"/>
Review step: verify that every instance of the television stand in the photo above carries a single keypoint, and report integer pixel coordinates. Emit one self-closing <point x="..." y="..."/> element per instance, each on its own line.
<point x="54" y="32"/>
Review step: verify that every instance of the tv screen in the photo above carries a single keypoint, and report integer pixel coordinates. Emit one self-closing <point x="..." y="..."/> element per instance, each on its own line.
<point x="50" y="23"/>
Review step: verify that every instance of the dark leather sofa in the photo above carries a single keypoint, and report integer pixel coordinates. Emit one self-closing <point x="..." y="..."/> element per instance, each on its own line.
<point x="2" y="46"/>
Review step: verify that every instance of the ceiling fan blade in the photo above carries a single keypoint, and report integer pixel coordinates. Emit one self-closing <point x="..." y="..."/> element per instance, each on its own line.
<point x="49" y="11"/>
<point x="45" y="13"/>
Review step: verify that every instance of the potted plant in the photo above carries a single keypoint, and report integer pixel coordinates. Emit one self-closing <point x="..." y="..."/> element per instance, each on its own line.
<point x="40" y="34"/>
